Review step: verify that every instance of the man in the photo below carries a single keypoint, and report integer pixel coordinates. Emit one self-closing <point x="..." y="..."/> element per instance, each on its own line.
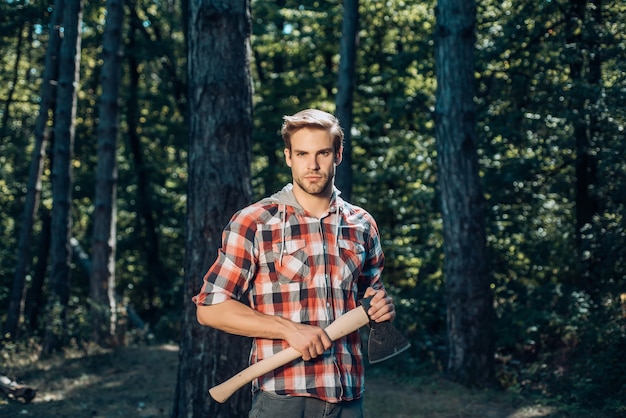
<point x="302" y="258"/>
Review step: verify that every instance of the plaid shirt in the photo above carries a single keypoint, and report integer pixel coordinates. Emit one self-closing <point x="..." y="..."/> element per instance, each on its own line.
<point x="308" y="270"/>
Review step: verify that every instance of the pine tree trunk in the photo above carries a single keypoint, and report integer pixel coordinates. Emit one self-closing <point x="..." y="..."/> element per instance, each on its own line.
<point x="345" y="89"/>
<point x="586" y="73"/>
<point x="145" y="218"/>
<point x="35" y="299"/>
<point x="469" y="299"/>
<point x="102" y="282"/>
<point x="65" y="118"/>
<point x="220" y="118"/>
<point x="14" y="82"/>
<point x="33" y="191"/>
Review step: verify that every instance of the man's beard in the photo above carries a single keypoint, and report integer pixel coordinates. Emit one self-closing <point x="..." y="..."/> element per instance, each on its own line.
<point x="317" y="188"/>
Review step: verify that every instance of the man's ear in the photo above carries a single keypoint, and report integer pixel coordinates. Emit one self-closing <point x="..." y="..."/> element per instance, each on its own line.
<point x="339" y="156"/>
<point x="287" y="153"/>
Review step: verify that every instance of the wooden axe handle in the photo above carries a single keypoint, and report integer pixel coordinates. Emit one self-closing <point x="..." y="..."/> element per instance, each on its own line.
<point x="342" y="326"/>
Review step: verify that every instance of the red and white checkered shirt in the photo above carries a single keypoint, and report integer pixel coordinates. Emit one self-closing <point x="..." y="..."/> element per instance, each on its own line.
<point x="305" y="269"/>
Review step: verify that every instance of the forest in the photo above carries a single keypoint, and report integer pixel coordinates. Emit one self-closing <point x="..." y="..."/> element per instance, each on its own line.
<point x="115" y="161"/>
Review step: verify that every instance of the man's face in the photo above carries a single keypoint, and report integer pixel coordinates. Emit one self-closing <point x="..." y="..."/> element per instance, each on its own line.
<point x="312" y="160"/>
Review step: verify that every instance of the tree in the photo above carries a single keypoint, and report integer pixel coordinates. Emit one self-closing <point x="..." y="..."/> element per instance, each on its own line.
<point x="220" y="127"/>
<point x="65" y="120"/>
<point x="102" y="281"/>
<point x="31" y="200"/>
<point x="6" y="112"/>
<point x="549" y="72"/>
<point x="583" y="27"/>
<point x="345" y="89"/>
<point x="468" y="295"/>
<point x="146" y="221"/>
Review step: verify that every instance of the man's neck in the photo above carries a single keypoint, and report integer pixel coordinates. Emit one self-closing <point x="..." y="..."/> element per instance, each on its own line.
<point x="316" y="205"/>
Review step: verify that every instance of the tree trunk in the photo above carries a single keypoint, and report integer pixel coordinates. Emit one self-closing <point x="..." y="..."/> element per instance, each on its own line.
<point x="586" y="72"/>
<point x="14" y="83"/>
<point x="34" y="296"/>
<point x="345" y="89"/>
<point x="145" y="219"/>
<point x="102" y="282"/>
<point x="65" y="118"/>
<point x="220" y="120"/>
<point x="469" y="300"/>
<point x="33" y="191"/>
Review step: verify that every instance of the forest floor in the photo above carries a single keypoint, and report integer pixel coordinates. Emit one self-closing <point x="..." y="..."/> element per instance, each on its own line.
<point x="140" y="382"/>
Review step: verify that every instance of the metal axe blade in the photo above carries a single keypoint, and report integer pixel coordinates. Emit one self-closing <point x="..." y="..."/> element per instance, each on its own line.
<point x="384" y="341"/>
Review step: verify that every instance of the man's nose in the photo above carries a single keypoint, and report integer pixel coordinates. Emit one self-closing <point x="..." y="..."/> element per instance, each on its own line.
<point x="313" y="163"/>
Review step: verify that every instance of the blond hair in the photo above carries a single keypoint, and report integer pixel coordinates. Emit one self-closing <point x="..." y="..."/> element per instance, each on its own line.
<point x="314" y="119"/>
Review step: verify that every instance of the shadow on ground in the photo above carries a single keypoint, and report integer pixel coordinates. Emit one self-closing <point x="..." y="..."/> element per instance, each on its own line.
<point x="140" y="382"/>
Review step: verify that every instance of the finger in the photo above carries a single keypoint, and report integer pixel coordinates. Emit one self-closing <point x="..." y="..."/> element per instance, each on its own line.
<point x="387" y="313"/>
<point x="379" y="297"/>
<point x="317" y="350"/>
<point x="369" y="292"/>
<point x="382" y="309"/>
<point x="376" y="301"/>
<point x="376" y="313"/>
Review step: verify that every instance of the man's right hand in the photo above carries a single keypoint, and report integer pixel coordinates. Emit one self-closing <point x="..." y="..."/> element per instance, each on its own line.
<point x="236" y="318"/>
<point x="308" y="340"/>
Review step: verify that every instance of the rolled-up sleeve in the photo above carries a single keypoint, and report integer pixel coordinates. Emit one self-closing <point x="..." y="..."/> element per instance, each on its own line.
<point x="230" y="274"/>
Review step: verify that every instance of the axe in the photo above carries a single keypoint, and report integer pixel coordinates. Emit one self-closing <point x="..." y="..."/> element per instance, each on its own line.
<point x="384" y="342"/>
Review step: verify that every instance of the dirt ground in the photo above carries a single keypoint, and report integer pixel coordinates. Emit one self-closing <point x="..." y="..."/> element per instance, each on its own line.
<point x="140" y="382"/>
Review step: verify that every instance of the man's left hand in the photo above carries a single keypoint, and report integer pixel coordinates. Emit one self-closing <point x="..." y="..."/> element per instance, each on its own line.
<point x="381" y="306"/>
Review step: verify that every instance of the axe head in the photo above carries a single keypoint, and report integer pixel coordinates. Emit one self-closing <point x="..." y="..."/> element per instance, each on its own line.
<point x="384" y="341"/>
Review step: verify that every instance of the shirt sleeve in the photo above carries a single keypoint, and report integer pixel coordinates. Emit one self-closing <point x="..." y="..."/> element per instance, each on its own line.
<point x="230" y="274"/>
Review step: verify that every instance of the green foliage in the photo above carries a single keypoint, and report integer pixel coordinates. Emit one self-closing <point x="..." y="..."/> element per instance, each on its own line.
<point x="554" y="298"/>
<point x="158" y="50"/>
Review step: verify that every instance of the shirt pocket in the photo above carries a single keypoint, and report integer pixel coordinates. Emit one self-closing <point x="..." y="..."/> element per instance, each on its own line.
<point x="291" y="261"/>
<point x="352" y="256"/>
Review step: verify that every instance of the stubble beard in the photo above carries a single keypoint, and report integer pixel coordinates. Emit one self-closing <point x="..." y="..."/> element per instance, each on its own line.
<point x="316" y="189"/>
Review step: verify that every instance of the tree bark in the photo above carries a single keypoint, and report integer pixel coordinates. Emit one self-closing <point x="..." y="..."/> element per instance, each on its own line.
<point x="220" y="120"/>
<point x="145" y="219"/>
<point x="6" y="112"/>
<point x="61" y="255"/>
<point x="345" y="89"/>
<point x="35" y="299"/>
<point x="469" y="299"/>
<point x="102" y="281"/>
<point x="37" y="157"/>
<point x="586" y="72"/>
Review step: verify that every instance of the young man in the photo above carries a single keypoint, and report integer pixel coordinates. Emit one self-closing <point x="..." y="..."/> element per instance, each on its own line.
<point x="302" y="258"/>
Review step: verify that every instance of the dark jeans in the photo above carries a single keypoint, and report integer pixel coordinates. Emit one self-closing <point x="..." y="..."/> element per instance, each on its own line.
<point x="269" y="405"/>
